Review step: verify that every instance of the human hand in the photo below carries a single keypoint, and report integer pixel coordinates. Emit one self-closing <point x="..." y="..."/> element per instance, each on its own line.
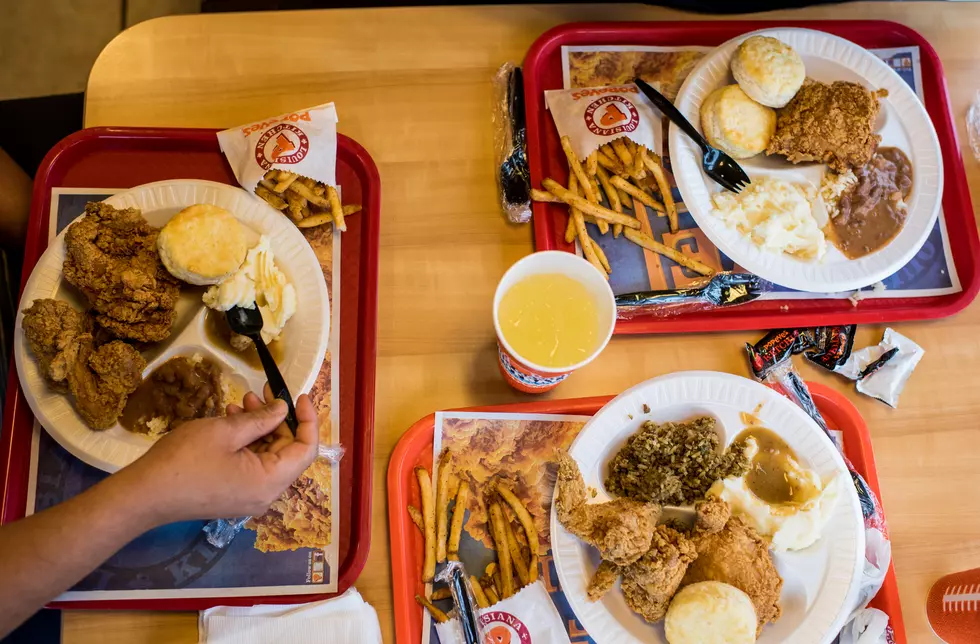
<point x="204" y="469"/>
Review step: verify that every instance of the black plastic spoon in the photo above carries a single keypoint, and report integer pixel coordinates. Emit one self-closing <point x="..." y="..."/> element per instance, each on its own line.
<point x="248" y="322"/>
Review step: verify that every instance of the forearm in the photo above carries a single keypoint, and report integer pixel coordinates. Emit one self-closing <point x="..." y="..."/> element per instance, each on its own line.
<point x="43" y="555"/>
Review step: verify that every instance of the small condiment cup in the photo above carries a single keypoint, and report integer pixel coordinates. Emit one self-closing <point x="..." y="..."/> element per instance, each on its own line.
<point x="522" y="374"/>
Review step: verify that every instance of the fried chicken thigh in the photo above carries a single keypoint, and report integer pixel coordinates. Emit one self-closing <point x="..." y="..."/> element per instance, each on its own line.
<point x="100" y="378"/>
<point x="52" y="329"/>
<point x="650" y="583"/>
<point x="621" y="529"/>
<point x="111" y="257"/>
<point x="736" y="555"/>
<point x="832" y="124"/>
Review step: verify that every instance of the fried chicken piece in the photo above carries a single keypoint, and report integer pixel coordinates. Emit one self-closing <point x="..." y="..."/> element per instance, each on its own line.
<point x="621" y="529"/>
<point x="651" y="581"/>
<point x="833" y="124"/>
<point x="52" y="328"/>
<point x="711" y="515"/>
<point x="605" y="577"/>
<point x="101" y="380"/>
<point x="737" y="555"/>
<point x="111" y="256"/>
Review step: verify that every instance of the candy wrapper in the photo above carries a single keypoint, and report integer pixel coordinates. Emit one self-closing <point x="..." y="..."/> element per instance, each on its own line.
<point x="719" y="290"/>
<point x="221" y="532"/>
<point x="593" y="116"/>
<point x="510" y="144"/>
<point x="528" y="616"/>
<point x="303" y="142"/>
<point x="771" y="359"/>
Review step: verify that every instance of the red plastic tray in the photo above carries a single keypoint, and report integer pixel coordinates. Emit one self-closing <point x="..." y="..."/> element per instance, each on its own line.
<point x="415" y="448"/>
<point x="127" y="157"/>
<point x="542" y="71"/>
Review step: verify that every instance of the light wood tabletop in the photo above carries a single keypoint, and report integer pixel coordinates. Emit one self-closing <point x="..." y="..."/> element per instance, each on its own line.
<point x="413" y="87"/>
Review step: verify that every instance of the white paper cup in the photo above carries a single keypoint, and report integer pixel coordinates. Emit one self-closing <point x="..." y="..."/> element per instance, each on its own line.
<point x="522" y="374"/>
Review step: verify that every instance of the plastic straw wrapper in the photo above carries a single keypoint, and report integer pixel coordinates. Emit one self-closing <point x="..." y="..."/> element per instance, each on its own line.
<point x="221" y="532"/>
<point x="510" y="144"/>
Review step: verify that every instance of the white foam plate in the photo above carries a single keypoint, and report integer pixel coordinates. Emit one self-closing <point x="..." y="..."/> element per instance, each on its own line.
<point x="902" y="123"/>
<point x="304" y="338"/>
<point x="820" y="583"/>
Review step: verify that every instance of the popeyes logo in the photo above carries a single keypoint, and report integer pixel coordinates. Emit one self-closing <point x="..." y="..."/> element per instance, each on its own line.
<point x="282" y="144"/>
<point x="611" y="115"/>
<point x="503" y="628"/>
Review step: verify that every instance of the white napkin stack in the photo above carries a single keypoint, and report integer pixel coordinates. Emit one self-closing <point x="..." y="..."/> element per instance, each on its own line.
<point x="347" y="619"/>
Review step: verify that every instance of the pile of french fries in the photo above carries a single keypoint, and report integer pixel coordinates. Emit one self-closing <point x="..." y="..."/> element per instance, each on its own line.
<point x="629" y="176"/>
<point x="307" y="202"/>
<point x="442" y="537"/>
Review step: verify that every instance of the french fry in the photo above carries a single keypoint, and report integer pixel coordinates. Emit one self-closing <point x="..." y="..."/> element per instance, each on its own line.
<point x="601" y="256"/>
<point x="612" y="165"/>
<point x="591" y="163"/>
<point x="603" y="225"/>
<point x="583" y="236"/>
<point x="325" y="217"/>
<point x="270" y="197"/>
<point x="439" y="594"/>
<point x="657" y="170"/>
<point x="599" y="212"/>
<point x="516" y="555"/>
<point x="491" y="572"/>
<point x="492" y="596"/>
<point x="624" y="197"/>
<point x="575" y="167"/>
<point x="459" y="514"/>
<point x="442" y="506"/>
<point x="606" y="151"/>
<point x="503" y="551"/>
<point x="439" y="616"/>
<point x="336" y="209"/>
<point x="544" y="195"/>
<point x="623" y="153"/>
<point x="570" y="230"/>
<point x="284" y="180"/>
<point x="527" y="522"/>
<point x="648" y="242"/>
<point x="482" y="600"/>
<point x="639" y="170"/>
<point x="304" y="191"/>
<point x="612" y="194"/>
<point x="429" y="521"/>
<point x="417" y="519"/>
<point x="644" y="198"/>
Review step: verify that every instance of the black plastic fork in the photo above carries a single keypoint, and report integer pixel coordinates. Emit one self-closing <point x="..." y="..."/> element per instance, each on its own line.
<point x="717" y="165"/>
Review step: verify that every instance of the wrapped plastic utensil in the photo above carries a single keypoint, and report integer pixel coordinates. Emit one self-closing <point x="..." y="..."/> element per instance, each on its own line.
<point x="719" y="290"/>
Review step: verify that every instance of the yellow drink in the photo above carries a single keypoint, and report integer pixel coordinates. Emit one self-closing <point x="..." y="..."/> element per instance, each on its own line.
<point x="550" y="319"/>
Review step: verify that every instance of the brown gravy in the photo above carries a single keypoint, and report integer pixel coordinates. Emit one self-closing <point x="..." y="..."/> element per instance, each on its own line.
<point x="179" y="390"/>
<point x="769" y="472"/>
<point x="871" y="212"/>
<point x="219" y="333"/>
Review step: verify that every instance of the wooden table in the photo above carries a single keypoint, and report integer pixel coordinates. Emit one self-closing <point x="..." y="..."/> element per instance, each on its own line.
<point x="412" y="86"/>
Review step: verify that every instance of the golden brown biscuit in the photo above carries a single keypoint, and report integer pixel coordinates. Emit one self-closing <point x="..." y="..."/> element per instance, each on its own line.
<point x="734" y="123"/>
<point x="710" y="612"/>
<point x="202" y="244"/>
<point x="768" y="70"/>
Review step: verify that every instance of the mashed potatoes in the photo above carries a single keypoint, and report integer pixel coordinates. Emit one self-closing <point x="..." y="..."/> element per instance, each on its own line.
<point x="258" y="282"/>
<point x="776" y="215"/>
<point x="792" y="526"/>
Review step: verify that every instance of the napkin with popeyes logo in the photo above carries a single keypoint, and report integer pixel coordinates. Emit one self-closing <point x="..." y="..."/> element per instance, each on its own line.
<point x="303" y="142"/>
<point x="528" y="617"/>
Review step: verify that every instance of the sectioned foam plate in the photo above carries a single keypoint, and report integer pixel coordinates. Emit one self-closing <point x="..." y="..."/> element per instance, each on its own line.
<point x="820" y="583"/>
<point x="305" y="336"/>
<point x="902" y="123"/>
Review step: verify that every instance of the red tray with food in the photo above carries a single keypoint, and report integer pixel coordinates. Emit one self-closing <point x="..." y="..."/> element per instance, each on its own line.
<point x="545" y="67"/>
<point x="120" y="158"/>
<point x="415" y="449"/>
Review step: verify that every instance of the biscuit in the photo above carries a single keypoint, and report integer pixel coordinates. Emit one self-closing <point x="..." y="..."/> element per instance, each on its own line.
<point x="735" y="124"/>
<point x="768" y="70"/>
<point x="710" y="612"/>
<point x="202" y="245"/>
